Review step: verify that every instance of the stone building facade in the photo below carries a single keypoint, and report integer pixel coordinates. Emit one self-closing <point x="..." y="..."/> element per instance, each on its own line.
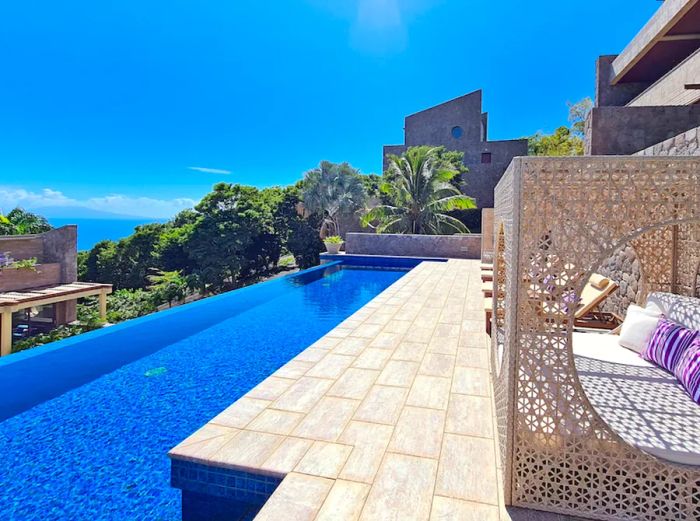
<point x="460" y="125"/>
<point x="648" y="96"/>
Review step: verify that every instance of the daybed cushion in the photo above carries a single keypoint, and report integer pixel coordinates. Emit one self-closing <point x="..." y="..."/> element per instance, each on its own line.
<point x="637" y="328"/>
<point x="642" y="403"/>
<point x="681" y="309"/>
<point x="688" y="370"/>
<point x="668" y="342"/>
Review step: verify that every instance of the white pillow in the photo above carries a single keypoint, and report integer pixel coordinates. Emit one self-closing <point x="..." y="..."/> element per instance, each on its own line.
<point x="637" y="328"/>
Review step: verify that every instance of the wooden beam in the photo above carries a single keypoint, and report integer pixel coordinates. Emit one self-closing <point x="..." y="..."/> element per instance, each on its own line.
<point x="6" y="333"/>
<point x="680" y="37"/>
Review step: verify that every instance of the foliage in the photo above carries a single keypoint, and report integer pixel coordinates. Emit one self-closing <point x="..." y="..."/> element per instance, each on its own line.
<point x="564" y="141"/>
<point x="21" y="222"/>
<point x="125" y="304"/>
<point x="167" y="286"/>
<point x="7" y="262"/>
<point x="301" y="232"/>
<point x="333" y="239"/>
<point x="333" y="190"/>
<point x="420" y="188"/>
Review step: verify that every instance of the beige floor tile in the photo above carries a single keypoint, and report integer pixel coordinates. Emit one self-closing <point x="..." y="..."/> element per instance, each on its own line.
<point x="443" y="345"/>
<point x="303" y="395"/>
<point x="203" y="447"/>
<point x="327" y="420"/>
<point x="354" y="383"/>
<point x="326" y="342"/>
<point x="398" y="326"/>
<point x="332" y="366"/>
<point x="206" y="432"/>
<point x="477" y="326"/>
<point x="474" y="339"/>
<point x="275" y="421"/>
<point x="409" y="351"/>
<point x="270" y="388"/>
<point x="339" y="332"/>
<point x="468" y="469"/>
<point x="437" y="364"/>
<point x="293" y="369"/>
<point x="398" y="373"/>
<point x="403" y="490"/>
<point x="469" y="380"/>
<point x="470" y="415"/>
<point x="241" y="413"/>
<point x="370" y="441"/>
<point x="287" y="455"/>
<point x="248" y="449"/>
<point x="472" y="357"/>
<point x="372" y="359"/>
<point x="420" y="333"/>
<point x="432" y="392"/>
<point x="447" y="331"/>
<point x="299" y="497"/>
<point x="418" y="432"/>
<point x="324" y="459"/>
<point x="450" y="509"/>
<point x="382" y="405"/>
<point x="344" y="502"/>
<point x="351" y="345"/>
<point x="311" y="354"/>
<point x="367" y="330"/>
<point x="386" y="340"/>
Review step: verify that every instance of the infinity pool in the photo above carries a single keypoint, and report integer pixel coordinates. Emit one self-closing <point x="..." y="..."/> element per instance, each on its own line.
<point x="98" y="451"/>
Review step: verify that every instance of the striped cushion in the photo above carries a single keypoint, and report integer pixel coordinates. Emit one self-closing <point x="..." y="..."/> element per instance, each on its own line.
<point x="688" y="369"/>
<point x="667" y="343"/>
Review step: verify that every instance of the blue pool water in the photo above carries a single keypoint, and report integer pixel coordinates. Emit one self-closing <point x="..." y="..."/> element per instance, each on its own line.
<point x="99" y="451"/>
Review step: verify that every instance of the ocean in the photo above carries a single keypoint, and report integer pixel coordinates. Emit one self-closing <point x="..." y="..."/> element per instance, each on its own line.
<point x="92" y="231"/>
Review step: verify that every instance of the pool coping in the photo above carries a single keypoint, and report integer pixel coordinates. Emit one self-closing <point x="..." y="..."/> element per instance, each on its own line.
<point x="396" y="398"/>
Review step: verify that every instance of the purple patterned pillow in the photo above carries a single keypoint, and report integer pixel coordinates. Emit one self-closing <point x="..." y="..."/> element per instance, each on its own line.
<point x="688" y="369"/>
<point x="667" y="343"/>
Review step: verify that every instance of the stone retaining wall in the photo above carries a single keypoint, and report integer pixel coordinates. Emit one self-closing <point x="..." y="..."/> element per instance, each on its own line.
<point x="450" y="246"/>
<point x="685" y="144"/>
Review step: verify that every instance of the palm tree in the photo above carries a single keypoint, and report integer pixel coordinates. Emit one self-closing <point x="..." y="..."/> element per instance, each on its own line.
<point x="332" y="190"/>
<point x="419" y="188"/>
<point x="21" y="222"/>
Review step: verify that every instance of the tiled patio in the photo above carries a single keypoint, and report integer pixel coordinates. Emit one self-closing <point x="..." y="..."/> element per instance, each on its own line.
<point x="387" y="417"/>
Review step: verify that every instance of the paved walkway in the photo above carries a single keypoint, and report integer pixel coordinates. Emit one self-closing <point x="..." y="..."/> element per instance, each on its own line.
<point x="387" y="417"/>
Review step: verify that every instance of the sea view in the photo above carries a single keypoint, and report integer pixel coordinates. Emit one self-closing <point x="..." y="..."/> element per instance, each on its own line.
<point x="92" y="231"/>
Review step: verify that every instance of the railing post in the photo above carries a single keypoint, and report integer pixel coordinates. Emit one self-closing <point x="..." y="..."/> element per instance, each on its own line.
<point x="103" y="305"/>
<point x="6" y="333"/>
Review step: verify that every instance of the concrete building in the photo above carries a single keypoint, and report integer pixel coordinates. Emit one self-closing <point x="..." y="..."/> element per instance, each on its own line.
<point x="43" y="297"/>
<point x="648" y="96"/>
<point x="460" y="125"/>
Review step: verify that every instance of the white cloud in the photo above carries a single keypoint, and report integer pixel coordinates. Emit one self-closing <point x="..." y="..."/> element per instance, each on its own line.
<point x="112" y="203"/>
<point x="209" y="170"/>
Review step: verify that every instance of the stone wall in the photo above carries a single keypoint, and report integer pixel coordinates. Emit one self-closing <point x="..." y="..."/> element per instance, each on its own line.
<point x="627" y="130"/>
<point x="403" y="245"/>
<point x="684" y="144"/>
<point x="623" y="267"/>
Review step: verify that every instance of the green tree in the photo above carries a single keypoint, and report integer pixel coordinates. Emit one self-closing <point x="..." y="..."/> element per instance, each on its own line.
<point x="301" y="232"/>
<point x="564" y="141"/>
<point x="419" y="186"/>
<point x="167" y="286"/>
<point x="22" y="222"/>
<point x="333" y="190"/>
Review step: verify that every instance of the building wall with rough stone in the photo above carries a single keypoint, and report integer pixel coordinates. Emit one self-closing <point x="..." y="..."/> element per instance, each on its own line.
<point x="684" y="144"/>
<point x="486" y="160"/>
<point x="407" y="245"/>
<point x="623" y="267"/>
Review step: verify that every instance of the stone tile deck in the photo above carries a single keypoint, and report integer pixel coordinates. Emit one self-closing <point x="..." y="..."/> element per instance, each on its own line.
<point x="387" y="417"/>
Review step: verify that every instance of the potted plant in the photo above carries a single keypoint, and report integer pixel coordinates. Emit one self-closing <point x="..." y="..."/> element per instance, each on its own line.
<point x="333" y="244"/>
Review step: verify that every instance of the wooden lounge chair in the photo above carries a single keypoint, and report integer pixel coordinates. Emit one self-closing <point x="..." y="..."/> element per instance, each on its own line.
<point x="588" y="314"/>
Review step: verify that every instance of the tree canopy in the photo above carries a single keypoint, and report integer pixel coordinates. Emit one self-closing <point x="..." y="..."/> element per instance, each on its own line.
<point x="22" y="222"/>
<point x="564" y="141"/>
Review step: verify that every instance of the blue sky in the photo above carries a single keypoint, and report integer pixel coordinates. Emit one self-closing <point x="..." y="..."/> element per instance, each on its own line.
<point x="109" y="104"/>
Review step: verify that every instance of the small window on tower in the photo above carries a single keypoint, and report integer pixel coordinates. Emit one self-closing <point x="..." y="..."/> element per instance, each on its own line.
<point x="457" y="132"/>
<point x="486" y="157"/>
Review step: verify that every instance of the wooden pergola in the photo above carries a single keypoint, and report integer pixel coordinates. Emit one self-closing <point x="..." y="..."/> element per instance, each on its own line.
<point x="13" y="301"/>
